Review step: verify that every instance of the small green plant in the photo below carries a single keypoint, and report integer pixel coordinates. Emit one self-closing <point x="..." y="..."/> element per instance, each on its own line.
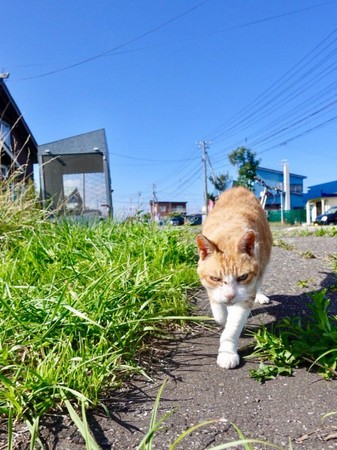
<point x="308" y="255"/>
<point x="326" y="231"/>
<point x="333" y="288"/>
<point x="334" y="262"/>
<point x="282" y="244"/>
<point x="305" y="283"/>
<point x="291" y="343"/>
<point x="269" y="371"/>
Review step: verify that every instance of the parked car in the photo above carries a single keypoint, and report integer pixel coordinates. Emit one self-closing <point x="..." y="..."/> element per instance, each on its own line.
<point x="194" y="219"/>
<point x="177" y="220"/>
<point x="330" y="216"/>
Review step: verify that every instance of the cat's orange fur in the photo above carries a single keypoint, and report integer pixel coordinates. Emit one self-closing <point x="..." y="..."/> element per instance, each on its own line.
<point x="234" y="249"/>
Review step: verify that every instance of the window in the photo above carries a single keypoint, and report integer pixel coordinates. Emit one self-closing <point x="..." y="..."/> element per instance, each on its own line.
<point x="4" y="171"/>
<point x="296" y="188"/>
<point x="5" y="133"/>
<point x="178" y="208"/>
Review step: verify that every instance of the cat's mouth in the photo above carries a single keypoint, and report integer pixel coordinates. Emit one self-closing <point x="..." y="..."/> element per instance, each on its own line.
<point x="229" y="302"/>
<point x="224" y="300"/>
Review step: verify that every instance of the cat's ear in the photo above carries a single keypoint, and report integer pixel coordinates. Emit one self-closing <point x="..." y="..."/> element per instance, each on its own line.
<point x="205" y="246"/>
<point x="247" y="243"/>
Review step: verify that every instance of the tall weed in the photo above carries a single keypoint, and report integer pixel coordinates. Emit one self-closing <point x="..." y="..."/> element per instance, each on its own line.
<point x="79" y="301"/>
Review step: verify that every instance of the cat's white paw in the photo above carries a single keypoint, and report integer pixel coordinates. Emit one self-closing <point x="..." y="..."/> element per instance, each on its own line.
<point x="228" y="360"/>
<point x="262" y="299"/>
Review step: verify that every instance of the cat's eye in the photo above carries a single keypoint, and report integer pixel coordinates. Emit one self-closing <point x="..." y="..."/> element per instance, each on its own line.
<point x="217" y="279"/>
<point x="243" y="277"/>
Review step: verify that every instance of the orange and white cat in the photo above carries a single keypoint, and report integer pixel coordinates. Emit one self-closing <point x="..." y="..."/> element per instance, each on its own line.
<point x="234" y="250"/>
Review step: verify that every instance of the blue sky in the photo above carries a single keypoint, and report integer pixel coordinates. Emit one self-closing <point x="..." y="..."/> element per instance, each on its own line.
<point x="160" y="76"/>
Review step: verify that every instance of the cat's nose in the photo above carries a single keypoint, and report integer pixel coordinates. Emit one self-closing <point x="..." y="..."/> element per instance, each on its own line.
<point x="230" y="296"/>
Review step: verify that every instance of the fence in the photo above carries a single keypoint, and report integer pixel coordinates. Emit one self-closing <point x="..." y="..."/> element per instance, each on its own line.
<point x="291" y="217"/>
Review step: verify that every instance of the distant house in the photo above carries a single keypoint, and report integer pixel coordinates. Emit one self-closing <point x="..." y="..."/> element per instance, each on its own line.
<point x="275" y="179"/>
<point x="161" y="210"/>
<point x="17" y="143"/>
<point x="319" y="199"/>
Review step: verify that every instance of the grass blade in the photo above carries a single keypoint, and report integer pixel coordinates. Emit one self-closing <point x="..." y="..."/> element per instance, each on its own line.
<point x="10" y="429"/>
<point x="189" y="431"/>
<point x="82" y="427"/>
<point x="82" y="315"/>
<point x="246" y="443"/>
<point x="146" y="443"/>
<point x="34" y="433"/>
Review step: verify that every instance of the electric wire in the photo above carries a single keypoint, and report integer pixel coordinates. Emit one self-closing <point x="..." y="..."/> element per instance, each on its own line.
<point x="295" y="137"/>
<point x="300" y="117"/>
<point x="159" y="161"/>
<point x="248" y="115"/>
<point x="114" y="50"/>
<point x="179" y="170"/>
<point x="120" y="46"/>
<point x="186" y="183"/>
<point x="300" y="121"/>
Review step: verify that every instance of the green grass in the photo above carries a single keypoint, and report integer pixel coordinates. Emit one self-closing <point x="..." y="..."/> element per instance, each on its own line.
<point x="280" y="231"/>
<point x="330" y="231"/>
<point x="292" y="343"/>
<point x="79" y="301"/>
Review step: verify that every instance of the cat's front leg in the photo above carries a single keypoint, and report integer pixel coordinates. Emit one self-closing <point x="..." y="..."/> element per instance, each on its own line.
<point x="260" y="298"/>
<point x="219" y="311"/>
<point x="228" y="357"/>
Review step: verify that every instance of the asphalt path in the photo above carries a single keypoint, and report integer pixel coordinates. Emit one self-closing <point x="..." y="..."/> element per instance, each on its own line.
<point x="286" y="411"/>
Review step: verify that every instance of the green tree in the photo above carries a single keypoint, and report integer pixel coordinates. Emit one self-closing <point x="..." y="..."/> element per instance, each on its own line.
<point x="220" y="182"/>
<point x="246" y="163"/>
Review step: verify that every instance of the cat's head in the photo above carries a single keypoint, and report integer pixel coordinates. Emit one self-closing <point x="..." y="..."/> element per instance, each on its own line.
<point x="229" y="275"/>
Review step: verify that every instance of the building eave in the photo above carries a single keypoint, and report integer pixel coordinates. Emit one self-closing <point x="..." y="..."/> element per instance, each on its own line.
<point x="279" y="172"/>
<point x="21" y="121"/>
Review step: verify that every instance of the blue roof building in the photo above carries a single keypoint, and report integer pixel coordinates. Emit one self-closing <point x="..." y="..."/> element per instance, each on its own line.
<point x="275" y="179"/>
<point x="319" y="199"/>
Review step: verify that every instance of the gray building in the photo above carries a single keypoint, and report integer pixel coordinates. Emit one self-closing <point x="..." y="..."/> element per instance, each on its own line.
<point x="75" y="175"/>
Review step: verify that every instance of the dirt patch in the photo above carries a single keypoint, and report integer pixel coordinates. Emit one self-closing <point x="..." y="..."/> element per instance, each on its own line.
<point x="287" y="409"/>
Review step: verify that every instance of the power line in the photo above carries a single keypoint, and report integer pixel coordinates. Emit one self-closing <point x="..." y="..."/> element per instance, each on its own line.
<point x="187" y="182"/>
<point x="204" y="146"/>
<point x="118" y="47"/>
<point x="213" y="172"/>
<point x="114" y="50"/>
<point x="153" y="160"/>
<point x="180" y="169"/>
<point x="270" y="95"/>
<point x="313" y="69"/>
<point x="310" y="130"/>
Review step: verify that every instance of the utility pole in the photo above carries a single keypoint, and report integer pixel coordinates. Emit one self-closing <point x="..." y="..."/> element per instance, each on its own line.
<point x="154" y="200"/>
<point x="139" y="202"/>
<point x="286" y="186"/>
<point x="281" y="198"/>
<point x="204" y="146"/>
